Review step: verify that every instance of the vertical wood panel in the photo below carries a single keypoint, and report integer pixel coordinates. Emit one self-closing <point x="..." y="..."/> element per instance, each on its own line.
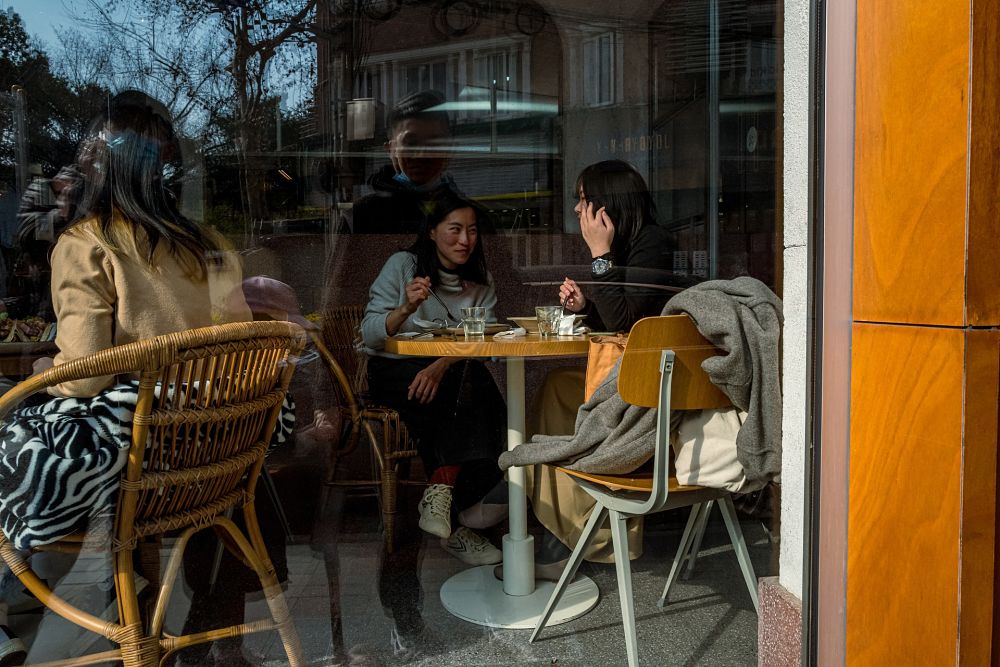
<point x="905" y="471"/>
<point x="910" y="161"/>
<point x="979" y="477"/>
<point x="984" y="167"/>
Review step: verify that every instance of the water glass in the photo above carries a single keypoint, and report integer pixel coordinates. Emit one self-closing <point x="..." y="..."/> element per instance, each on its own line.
<point x="474" y="321"/>
<point x="548" y="320"/>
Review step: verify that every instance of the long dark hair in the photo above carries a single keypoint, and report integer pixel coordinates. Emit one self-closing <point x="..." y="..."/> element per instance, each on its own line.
<point x="129" y="162"/>
<point x="621" y="190"/>
<point x="428" y="263"/>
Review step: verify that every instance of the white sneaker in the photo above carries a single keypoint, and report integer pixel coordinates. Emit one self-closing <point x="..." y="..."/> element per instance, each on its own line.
<point x="323" y="429"/>
<point x="435" y="510"/>
<point x="471" y="548"/>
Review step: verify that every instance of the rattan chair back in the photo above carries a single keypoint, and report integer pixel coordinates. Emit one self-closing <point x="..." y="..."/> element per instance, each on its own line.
<point x="342" y="335"/>
<point x="208" y="403"/>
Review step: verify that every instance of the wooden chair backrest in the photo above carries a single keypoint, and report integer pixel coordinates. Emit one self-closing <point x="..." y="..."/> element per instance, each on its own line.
<point x="639" y="376"/>
<point x="341" y="333"/>
<point x="208" y="403"/>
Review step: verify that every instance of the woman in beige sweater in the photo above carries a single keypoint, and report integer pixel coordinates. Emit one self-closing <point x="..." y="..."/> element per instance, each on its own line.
<point x="131" y="265"/>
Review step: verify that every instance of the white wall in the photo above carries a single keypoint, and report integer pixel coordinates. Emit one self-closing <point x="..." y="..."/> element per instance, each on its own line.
<point x="795" y="344"/>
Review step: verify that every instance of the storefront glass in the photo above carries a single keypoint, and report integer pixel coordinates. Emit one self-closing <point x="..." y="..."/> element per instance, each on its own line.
<point x="312" y="135"/>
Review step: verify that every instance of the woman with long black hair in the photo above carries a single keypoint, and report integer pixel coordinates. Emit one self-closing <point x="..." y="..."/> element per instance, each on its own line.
<point x="451" y="406"/>
<point x="618" y="223"/>
<point x="129" y="266"/>
<point x="630" y="253"/>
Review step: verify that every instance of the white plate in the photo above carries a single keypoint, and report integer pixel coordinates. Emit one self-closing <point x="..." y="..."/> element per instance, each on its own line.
<point x="530" y="324"/>
<point x="491" y="328"/>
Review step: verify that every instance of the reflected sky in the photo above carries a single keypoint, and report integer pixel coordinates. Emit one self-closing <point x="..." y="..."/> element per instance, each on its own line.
<point x="43" y="17"/>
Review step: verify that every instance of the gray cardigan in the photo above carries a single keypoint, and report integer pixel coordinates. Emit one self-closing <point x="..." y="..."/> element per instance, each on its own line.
<point x="389" y="291"/>
<point x="742" y="317"/>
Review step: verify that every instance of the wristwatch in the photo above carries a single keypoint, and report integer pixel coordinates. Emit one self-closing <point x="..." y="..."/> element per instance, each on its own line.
<point x="601" y="265"/>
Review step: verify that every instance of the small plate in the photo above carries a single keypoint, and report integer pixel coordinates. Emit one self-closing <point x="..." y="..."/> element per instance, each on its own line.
<point x="530" y="324"/>
<point x="491" y="328"/>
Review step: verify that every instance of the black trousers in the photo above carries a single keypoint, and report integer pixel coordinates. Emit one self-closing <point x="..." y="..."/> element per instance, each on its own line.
<point x="464" y="425"/>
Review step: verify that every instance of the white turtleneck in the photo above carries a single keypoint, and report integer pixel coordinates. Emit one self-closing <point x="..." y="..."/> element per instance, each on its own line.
<point x="388" y="292"/>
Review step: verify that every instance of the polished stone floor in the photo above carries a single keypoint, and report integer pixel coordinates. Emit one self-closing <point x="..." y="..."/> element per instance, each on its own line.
<point x="353" y="604"/>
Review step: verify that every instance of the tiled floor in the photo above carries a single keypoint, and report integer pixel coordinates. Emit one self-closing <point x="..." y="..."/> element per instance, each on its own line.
<point x="390" y="612"/>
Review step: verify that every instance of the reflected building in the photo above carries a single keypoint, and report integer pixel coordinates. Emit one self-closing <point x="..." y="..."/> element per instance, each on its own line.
<point x="685" y="91"/>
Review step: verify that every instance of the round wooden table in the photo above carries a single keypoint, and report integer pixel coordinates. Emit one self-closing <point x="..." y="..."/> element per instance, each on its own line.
<point x="475" y="594"/>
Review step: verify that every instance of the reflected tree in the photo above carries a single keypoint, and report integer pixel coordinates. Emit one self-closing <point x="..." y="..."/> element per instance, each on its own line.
<point x="245" y="53"/>
<point x="57" y="112"/>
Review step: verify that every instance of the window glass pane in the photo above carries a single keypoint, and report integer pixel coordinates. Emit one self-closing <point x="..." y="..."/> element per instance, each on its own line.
<point x="308" y="142"/>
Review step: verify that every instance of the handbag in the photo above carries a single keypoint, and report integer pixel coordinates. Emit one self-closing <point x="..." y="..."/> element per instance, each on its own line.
<point x="603" y="354"/>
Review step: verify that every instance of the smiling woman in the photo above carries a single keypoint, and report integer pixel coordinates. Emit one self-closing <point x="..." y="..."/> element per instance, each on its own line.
<point x="450" y="405"/>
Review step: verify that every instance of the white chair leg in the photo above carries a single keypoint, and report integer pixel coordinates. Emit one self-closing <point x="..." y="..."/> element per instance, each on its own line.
<point x="686" y="538"/>
<point x="699" y="535"/>
<point x="619" y="536"/>
<point x="740" y="547"/>
<point x="576" y="558"/>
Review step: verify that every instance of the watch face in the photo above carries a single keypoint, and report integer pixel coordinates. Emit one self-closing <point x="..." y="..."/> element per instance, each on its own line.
<point x="600" y="266"/>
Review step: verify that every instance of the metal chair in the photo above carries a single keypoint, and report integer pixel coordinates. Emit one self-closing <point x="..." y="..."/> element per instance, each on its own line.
<point x="389" y="440"/>
<point x="196" y="451"/>
<point x="660" y="368"/>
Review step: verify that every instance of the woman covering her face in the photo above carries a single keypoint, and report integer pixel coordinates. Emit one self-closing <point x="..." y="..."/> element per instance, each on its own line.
<point x="451" y="406"/>
<point x="618" y="222"/>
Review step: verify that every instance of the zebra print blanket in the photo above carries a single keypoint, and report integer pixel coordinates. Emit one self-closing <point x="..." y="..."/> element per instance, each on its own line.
<point x="60" y="462"/>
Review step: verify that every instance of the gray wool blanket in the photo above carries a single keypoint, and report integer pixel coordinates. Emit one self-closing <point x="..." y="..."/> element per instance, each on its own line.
<point x="743" y="318"/>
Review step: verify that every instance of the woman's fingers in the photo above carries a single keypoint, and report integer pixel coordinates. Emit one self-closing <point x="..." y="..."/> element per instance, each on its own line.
<point x="423" y="389"/>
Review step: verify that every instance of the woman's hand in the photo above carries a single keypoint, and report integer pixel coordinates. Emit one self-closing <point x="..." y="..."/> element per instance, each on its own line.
<point x="425" y="384"/>
<point x="571" y="296"/>
<point x="417" y="291"/>
<point x="598" y="230"/>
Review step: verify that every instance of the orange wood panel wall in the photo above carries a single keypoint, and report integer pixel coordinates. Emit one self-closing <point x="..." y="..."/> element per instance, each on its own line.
<point x="903" y="527"/>
<point x="910" y="161"/>
<point x="922" y="536"/>
<point x="983" y="282"/>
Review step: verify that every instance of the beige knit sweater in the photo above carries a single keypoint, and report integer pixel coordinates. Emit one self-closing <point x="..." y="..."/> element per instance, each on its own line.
<point x="104" y="297"/>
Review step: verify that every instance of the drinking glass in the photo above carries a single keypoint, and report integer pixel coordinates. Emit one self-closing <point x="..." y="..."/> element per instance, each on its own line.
<point x="548" y="320"/>
<point x="474" y="321"/>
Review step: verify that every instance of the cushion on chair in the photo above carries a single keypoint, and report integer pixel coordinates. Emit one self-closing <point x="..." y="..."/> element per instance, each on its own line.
<point x="704" y="447"/>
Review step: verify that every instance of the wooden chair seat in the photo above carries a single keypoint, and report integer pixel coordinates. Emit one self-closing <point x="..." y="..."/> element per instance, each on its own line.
<point x="637" y="480"/>
<point x="660" y="369"/>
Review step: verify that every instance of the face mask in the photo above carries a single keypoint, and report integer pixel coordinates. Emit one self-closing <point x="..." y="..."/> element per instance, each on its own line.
<point x="404" y="180"/>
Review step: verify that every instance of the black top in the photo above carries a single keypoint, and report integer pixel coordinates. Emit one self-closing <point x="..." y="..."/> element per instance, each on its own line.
<point x="394" y="207"/>
<point x="648" y="259"/>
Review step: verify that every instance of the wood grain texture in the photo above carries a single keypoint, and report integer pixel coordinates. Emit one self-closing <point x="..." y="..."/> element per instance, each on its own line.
<point x="526" y="346"/>
<point x="639" y="378"/>
<point x="904" y="495"/>
<point x="979" y="496"/>
<point x="912" y="110"/>
<point x="983" y="282"/>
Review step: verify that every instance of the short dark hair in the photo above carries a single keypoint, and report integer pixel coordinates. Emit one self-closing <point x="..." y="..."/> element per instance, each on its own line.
<point x="422" y="104"/>
<point x="428" y="263"/>
<point x="621" y="190"/>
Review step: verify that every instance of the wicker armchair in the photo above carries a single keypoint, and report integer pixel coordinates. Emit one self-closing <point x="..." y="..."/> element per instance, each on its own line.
<point x="196" y="451"/>
<point x="389" y="442"/>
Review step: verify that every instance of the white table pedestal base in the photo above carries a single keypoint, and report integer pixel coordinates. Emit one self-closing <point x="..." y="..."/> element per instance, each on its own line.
<point x="477" y="596"/>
